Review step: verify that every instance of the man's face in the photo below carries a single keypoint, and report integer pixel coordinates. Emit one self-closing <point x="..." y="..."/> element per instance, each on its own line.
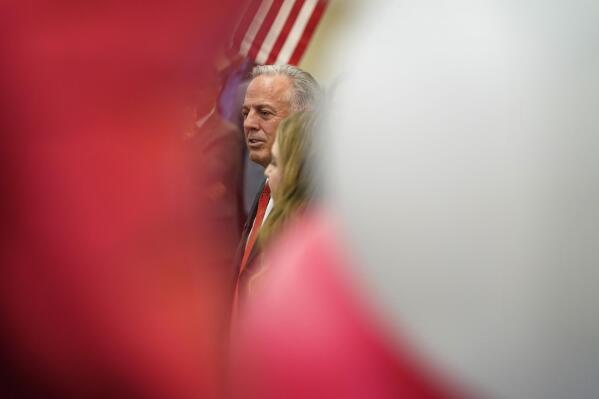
<point x="267" y="103"/>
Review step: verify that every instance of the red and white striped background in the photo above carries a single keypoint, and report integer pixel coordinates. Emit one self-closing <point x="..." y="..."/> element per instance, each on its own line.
<point x="277" y="31"/>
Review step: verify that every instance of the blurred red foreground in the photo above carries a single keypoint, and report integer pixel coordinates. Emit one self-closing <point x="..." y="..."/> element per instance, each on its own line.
<point x="105" y="290"/>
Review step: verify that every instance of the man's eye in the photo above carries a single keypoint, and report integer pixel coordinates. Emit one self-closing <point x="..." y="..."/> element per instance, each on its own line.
<point x="265" y="113"/>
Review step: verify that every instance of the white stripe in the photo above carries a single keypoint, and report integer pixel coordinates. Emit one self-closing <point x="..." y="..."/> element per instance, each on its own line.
<point x="238" y="23"/>
<point x="296" y="31"/>
<point x="274" y="31"/>
<point x="246" y="44"/>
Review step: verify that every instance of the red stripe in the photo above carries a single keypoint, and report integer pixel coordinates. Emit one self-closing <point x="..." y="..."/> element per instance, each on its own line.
<point x="245" y="22"/>
<point x="264" y="28"/>
<point x="276" y="49"/>
<point x="308" y="32"/>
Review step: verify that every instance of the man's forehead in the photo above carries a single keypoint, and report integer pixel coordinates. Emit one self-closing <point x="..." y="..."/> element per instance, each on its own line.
<point x="266" y="89"/>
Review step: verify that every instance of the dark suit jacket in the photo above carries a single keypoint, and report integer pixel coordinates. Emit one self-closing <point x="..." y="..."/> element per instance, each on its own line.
<point x="241" y="248"/>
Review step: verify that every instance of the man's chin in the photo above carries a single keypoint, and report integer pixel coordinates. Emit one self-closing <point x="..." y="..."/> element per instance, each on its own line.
<point x="259" y="157"/>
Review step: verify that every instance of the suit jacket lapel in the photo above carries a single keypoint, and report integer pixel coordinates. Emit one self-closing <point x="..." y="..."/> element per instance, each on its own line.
<point x="246" y="231"/>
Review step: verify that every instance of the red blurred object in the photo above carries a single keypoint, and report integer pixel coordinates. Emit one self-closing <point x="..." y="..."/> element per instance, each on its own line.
<point x="104" y="287"/>
<point x="304" y="331"/>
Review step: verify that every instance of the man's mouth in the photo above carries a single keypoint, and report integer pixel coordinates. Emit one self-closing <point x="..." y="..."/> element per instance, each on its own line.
<point x="253" y="142"/>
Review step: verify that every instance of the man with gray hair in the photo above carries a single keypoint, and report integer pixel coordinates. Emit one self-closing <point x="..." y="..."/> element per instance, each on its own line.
<point x="274" y="93"/>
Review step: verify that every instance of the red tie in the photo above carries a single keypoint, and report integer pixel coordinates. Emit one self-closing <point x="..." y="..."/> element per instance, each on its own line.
<point x="260" y="212"/>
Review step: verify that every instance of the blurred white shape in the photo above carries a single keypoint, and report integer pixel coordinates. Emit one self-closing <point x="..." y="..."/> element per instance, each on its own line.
<point x="463" y="153"/>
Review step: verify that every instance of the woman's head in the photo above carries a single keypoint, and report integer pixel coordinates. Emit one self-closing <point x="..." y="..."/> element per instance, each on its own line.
<point x="274" y="170"/>
<point x="289" y="173"/>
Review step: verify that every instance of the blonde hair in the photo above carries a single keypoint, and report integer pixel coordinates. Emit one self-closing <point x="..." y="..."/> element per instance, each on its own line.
<point x="294" y="138"/>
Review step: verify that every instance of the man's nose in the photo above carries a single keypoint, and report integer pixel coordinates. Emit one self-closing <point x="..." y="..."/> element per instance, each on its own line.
<point x="251" y="121"/>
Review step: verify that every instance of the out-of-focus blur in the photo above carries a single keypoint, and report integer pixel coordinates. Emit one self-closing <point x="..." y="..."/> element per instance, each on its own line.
<point x="107" y="285"/>
<point x="463" y="157"/>
<point x="450" y="250"/>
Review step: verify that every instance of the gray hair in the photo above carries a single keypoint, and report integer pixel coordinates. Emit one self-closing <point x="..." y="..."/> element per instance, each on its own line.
<point x="306" y="91"/>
